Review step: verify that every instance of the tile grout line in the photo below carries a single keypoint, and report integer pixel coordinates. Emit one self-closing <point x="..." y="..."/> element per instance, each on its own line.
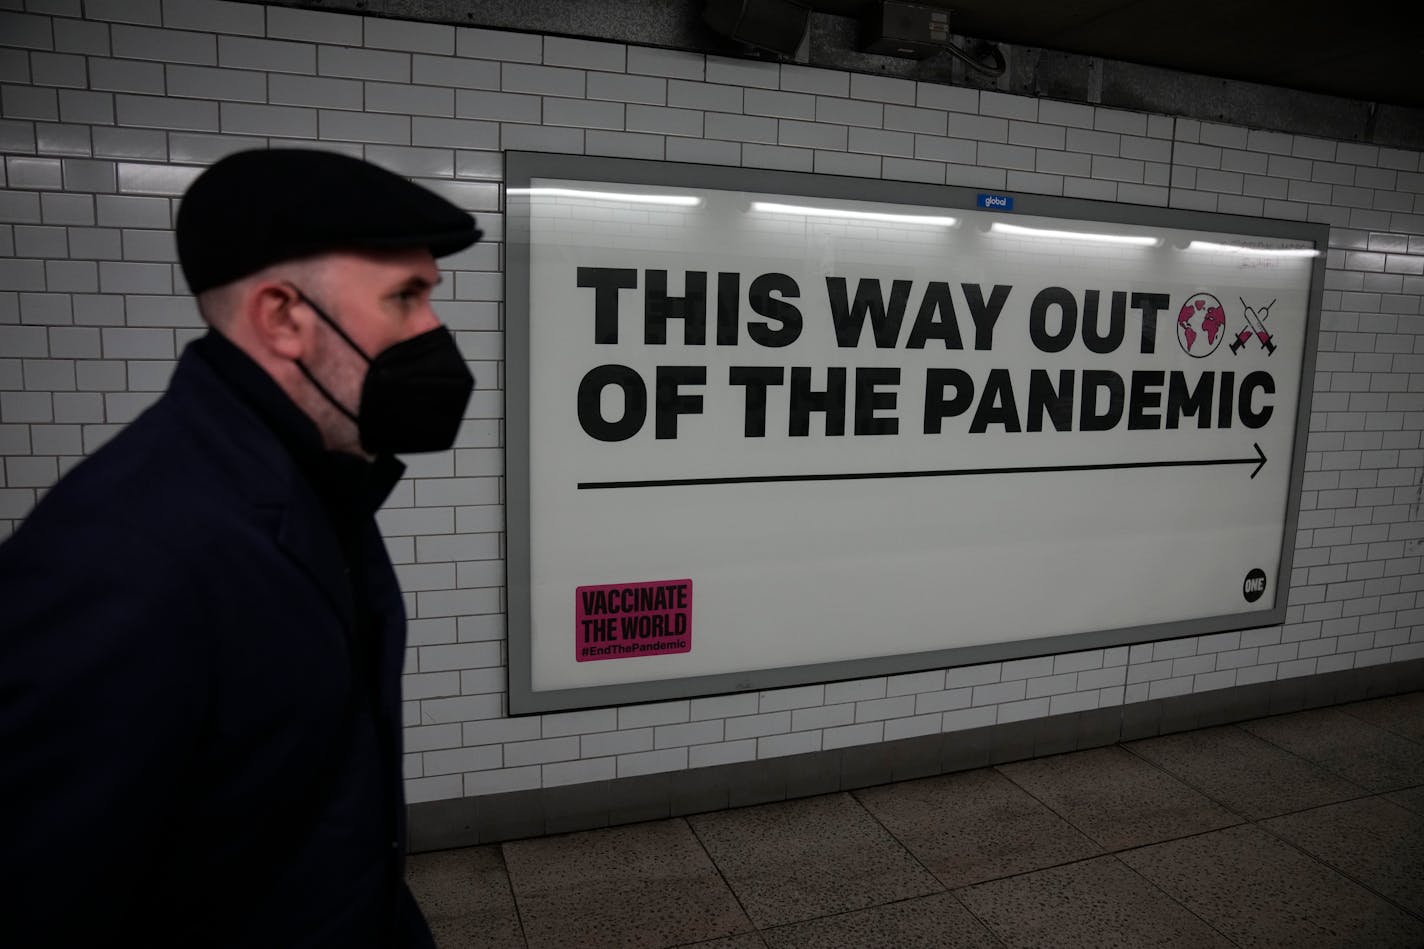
<point x="1114" y="853"/>
<point x="1049" y="807"/>
<point x="1386" y="728"/>
<point x="907" y="899"/>
<point x="1318" y="764"/>
<point x="1243" y="821"/>
<point x="1246" y="821"/>
<point x="891" y="834"/>
<point x="943" y="890"/>
<point x="1185" y="908"/>
<point x="514" y="897"/>
<point x="720" y="875"/>
<point x="1245" y="818"/>
<point x="1340" y="870"/>
<point x="1104" y="852"/>
<point x="933" y="876"/>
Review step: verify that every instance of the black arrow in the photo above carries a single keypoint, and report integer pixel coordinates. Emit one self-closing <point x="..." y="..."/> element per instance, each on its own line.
<point x="1259" y="461"/>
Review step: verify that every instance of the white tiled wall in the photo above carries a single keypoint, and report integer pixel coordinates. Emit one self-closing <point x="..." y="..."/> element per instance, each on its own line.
<point x="107" y="110"/>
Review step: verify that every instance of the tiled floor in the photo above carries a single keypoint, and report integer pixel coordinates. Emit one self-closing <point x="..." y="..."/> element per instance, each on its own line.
<point x="1296" y="831"/>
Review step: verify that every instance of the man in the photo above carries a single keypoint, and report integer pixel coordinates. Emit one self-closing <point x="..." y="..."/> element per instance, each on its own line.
<point x="201" y="634"/>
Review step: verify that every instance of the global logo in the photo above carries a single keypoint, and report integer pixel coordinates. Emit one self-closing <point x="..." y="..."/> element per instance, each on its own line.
<point x="1201" y="325"/>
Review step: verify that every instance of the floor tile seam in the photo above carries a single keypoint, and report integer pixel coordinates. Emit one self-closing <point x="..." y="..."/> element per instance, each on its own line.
<point x="1380" y="727"/>
<point x="1106" y="847"/>
<point x="1188" y="783"/>
<point x="955" y="891"/>
<point x="1337" y="709"/>
<point x="682" y="819"/>
<point x="941" y="888"/>
<point x="708" y="942"/>
<point x="983" y="923"/>
<point x="1266" y="830"/>
<point x="514" y="898"/>
<point x="721" y="875"/>
<point x="1049" y="807"/>
<point x="1104" y="852"/>
<point x="1022" y="873"/>
<point x="1310" y="761"/>
<point x="1412" y="787"/>
<point x="1346" y="709"/>
<point x="1226" y="805"/>
<point x="1340" y="870"/>
<point x="1115" y="856"/>
<point x="898" y="842"/>
<point x="1316" y="807"/>
<point x="1413" y="740"/>
<point x="520" y="913"/>
<point x="1172" y="899"/>
<point x="1087" y="838"/>
<point x="944" y="891"/>
<point x="1246" y="822"/>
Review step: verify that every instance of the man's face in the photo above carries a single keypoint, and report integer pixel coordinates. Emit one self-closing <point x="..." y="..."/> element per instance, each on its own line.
<point x="378" y="298"/>
<point x="381" y="297"/>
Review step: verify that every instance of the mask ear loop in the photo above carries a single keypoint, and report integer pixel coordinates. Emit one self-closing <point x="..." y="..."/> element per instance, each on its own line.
<point x="349" y="341"/>
<point x="332" y="323"/>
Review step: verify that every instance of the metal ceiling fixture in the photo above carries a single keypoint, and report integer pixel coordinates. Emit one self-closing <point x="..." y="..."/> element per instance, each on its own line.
<point x="918" y="31"/>
<point x="777" y="26"/>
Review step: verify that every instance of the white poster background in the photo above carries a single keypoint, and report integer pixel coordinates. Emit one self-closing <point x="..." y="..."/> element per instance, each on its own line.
<point x="792" y="573"/>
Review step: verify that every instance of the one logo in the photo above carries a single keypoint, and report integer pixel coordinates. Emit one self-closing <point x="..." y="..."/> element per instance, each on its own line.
<point x="1254" y="585"/>
<point x="1201" y="325"/>
<point x="1255" y="326"/>
<point x="996" y="202"/>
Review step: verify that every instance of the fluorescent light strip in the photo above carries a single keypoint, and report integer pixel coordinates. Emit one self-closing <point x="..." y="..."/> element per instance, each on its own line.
<point x="1254" y="251"/>
<point x="679" y="200"/>
<point x="1139" y="241"/>
<point x="845" y="213"/>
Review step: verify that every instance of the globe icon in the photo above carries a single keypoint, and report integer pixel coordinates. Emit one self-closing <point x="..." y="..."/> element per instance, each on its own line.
<point x="1201" y="325"/>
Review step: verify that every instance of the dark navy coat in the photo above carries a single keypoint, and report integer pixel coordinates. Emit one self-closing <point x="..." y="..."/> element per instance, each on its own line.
<point x="199" y="695"/>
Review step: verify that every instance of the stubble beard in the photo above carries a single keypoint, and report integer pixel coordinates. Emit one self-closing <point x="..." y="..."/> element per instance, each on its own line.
<point x="342" y="372"/>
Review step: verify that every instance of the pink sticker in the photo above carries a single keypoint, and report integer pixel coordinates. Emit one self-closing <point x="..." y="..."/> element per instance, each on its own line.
<point x="628" y="620"/>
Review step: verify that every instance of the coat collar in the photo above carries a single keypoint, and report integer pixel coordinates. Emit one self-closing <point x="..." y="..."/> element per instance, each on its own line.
<point x="367" y="484"/>
<point x="313" y="489"/>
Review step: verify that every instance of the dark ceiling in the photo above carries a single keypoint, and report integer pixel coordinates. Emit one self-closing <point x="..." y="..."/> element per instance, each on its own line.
<point x="1367" y="51"/>
<point x="1354" y="73"/>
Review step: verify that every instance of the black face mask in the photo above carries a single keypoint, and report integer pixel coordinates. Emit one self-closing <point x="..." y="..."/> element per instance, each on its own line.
<point x="415" y="392"/>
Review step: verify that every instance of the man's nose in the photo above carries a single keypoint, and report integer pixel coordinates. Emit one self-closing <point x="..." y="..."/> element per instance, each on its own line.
<point x="425" y="321"/>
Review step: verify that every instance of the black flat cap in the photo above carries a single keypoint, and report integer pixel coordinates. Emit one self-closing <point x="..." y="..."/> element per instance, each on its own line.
<point x="254" y="209"/>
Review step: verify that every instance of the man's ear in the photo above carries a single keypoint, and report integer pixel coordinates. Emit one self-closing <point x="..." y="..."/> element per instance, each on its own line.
<point x="280" y="321"/>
